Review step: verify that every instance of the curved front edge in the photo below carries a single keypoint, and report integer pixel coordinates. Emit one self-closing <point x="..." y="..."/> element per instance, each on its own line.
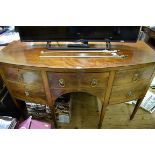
<point x="100" y="93"/>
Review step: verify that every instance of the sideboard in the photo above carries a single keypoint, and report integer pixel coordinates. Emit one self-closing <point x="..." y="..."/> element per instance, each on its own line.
<point x="30" y="77"/>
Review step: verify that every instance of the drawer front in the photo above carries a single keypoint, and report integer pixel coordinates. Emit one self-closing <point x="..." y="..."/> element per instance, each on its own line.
<point x="31" y="93"/>
<point x="62" y="80"/>
<point x="94" y="80"/>
<point x="133" y="75"/>
<point x="78" y="80"/>
<point x="22" y="75"/>
<point x="127" y="92"/>
<point x="11" y="73"/>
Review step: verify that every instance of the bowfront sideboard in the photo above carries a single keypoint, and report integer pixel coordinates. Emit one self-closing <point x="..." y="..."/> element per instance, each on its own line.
<point x="30" y="77"/>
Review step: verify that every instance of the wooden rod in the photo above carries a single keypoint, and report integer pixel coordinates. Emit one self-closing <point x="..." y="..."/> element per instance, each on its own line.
<point x="80" y="51"/>
<point x="69" y="56"/>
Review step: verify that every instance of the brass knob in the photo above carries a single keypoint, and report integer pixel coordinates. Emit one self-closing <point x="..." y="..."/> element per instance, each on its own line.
<point x="130" y="94"/>
<point x="27" y="93"/>
<point x="93" y="82"/>
<point x="136" y="76"/>
<point x="20" y="77"/>
<point x="61" y="82"/>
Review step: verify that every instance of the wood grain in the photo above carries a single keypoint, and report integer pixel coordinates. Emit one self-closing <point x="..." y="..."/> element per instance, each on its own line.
<point x="50" y="99"/>
<point x="79" y="80"/>
<point x="133" y="75"/>
<point x="43" y="80"/>
<point x="105" y="102"/>
<point x="96" y="92"/>
<point x="25" y="54"/>
<point x="33" y="93"/>
<point x="128" y="92"/>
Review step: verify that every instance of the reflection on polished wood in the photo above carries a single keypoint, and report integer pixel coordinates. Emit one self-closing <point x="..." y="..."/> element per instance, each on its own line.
<point x="113" y="80"/>
<point x="25" y="54"/>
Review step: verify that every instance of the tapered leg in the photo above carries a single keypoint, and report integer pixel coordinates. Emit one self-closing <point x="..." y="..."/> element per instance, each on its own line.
<point x="103" y="110"/>
<point x="53" y="116"/>
<point x="139" y="101"/>
<point x="50" y="100"/>
<point x="105" y="101"/>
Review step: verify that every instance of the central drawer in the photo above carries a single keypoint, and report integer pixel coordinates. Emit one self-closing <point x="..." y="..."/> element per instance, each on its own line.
<point x="78" y="80"/>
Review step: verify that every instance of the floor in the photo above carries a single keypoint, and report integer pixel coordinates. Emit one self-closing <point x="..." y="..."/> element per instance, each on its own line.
<point x="85" y="115"/>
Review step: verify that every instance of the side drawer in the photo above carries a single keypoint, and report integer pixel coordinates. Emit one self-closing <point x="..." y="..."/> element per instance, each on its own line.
<point x="22" y="75"/>
<point x="31" y="93"/>
<point x="133" y="75"/>
<point x="127" y="92"/>
<point x="78" y="80"/>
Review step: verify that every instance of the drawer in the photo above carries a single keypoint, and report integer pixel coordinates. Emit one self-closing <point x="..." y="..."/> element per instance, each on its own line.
<point x="78" y="80"/>
<point x="31" y="93"/>
<point x="22" y="75"/>
<point x="94" y="80"/>
<point x="133" y="75"/>
<point x="127" y="92"/>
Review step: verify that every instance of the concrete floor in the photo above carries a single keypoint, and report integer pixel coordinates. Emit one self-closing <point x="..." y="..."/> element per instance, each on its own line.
<point x="85" y="115"/>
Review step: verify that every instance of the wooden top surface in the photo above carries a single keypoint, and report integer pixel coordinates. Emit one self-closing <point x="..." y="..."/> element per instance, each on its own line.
<point x="20" y="53"/>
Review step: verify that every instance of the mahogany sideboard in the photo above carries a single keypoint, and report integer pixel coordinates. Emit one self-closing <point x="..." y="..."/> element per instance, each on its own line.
<point x="42" y="80"/>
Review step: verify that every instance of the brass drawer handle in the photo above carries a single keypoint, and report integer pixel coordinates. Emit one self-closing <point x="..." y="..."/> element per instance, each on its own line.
<point x="136" y="76"/>
<point x="26" y="90"/>
<point x="20" y="77"/>
<point x="130" y="94"/>
<point x="93" y="82"/>
<point x="61" y="82"/>
<point x="27" y="93"/>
